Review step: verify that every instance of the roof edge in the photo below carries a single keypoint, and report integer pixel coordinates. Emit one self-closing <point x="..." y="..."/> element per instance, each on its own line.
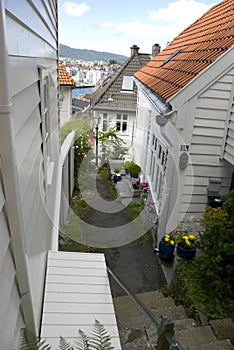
<point x="160" y="104"/>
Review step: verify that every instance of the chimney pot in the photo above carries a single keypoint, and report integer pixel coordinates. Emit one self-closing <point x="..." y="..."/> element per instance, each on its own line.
<point x="156" y="48"/>
<point x="134" y="50"/>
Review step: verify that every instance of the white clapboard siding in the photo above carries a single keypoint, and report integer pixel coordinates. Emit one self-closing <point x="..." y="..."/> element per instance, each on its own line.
<point x="77" y="293"/>
<point x="26" y="108"/>
<point x="9" y="296"/>
<point x="229" y="144"/>
<point x="205" y="149"/>
<point x="31" y="41"/>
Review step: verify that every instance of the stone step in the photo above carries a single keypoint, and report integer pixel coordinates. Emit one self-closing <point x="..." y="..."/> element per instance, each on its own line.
<point x="223" y="329"/>
<point x="217" y="345"/>
<point x="194" y="336"/>
<point x="130" y="315"/>
<point x="186" y="323"/>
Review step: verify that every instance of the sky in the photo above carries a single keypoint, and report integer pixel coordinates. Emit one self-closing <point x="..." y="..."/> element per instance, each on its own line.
<point x="114" y="26"/>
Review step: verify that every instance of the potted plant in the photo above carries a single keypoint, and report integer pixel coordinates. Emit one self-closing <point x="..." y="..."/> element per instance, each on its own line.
<point x="117" y="176"/>
<point x="134" y="169"/>
<point x="135" y="183"/>
<point x="166" y="246"/>
<point x="186" y="245"/>
<point x="126" y="166"/>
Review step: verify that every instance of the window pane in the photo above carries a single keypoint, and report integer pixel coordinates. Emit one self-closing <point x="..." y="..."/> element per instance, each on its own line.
<point x="104" y="127"/>
<point x="125" y="117"/>
<point x="124" y="126"/>
<point x="118" y="124"/>
<point x="127" y="83"/>
<point x="118" y="116"/>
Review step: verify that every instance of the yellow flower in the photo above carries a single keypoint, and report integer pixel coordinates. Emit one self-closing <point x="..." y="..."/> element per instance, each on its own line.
<point x="192" y="237"/>
<point x="185" y="238"/>
<point x="167" y="239"/>
<point x="188" y="243"/>
<point x="172" y="242"/>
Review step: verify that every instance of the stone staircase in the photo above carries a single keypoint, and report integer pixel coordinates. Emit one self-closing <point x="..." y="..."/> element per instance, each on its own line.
<point x="138" y="333"/>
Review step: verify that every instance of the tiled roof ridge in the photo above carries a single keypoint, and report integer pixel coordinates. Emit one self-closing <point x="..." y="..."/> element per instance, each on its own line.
<point x="111" y="81"/>
<point x="64" y="77"/>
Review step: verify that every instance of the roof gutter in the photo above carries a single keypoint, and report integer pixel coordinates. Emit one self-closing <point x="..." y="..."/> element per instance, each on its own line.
<point x="10" y="182"/>
<point x="163" y="108"/>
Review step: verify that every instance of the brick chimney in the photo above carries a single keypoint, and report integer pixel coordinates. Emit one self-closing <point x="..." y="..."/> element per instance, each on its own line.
<point x="156" y="48"/>
<point x="134" y="50"/>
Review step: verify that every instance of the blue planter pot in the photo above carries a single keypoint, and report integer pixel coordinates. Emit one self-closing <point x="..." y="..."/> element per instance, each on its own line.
<point x="166" y="251"/>
<point x="134" y="176"/>
<point x="186" y="253"/>
<point x="135" y="187"/>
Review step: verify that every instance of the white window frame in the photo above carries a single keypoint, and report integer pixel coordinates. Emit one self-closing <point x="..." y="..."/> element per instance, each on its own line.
<point x="105" y="121"/>
<point x="122" y="123"/>
<point x="127" y="84"/>
<point x="45" y="83"/>
<point x="158" y="162"/>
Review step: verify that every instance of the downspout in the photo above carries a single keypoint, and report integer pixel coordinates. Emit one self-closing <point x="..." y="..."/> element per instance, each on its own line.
<point x="10" y="183"/>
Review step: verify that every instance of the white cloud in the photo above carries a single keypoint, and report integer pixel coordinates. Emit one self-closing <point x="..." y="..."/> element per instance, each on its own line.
<point x="75" y="9"/>
<point x="180" y="12"/>
<point x="164" y="23"/>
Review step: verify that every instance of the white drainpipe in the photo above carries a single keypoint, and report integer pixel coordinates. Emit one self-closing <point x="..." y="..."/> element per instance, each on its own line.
<point x="10" y="182"/>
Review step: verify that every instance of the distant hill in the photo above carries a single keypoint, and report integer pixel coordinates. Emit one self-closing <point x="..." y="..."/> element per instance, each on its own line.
<point x="89" y="55"/>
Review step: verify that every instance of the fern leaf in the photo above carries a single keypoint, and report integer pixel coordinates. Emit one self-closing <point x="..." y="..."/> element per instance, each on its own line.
<point x="100" y="339"/>
<point x="82" y="343"/>
<point x="29" y="341"/>
<point x="64" y="344"/>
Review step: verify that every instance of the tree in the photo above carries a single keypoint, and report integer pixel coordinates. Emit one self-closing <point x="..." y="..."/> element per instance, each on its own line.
<point x="81" y="144"/>
<point x="112" y="145"/>
<point x="112" y="62"/>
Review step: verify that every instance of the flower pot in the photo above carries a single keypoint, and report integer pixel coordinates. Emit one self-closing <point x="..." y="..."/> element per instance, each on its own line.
<point x="135" y="187"/>
<point x="186" y="253"/>
<point x="134" y="176"/>
<point x="166" y="250"/>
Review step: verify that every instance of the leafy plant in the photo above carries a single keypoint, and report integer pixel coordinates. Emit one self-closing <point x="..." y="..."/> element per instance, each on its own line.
<point x="187" y="241"/>
<point x="169" y="239"/>
<point x="98" y="340"/>
<point x="112" y="145"/>
<point x="126" y="164"/>
<point x="206" y="283"/>
<point x="29" y="341"/>
<point x="134" y="168"/>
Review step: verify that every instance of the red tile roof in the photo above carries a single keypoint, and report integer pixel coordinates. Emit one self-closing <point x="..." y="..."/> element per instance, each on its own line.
<point x="64" y="76"/>
<point x="199" y="45"/>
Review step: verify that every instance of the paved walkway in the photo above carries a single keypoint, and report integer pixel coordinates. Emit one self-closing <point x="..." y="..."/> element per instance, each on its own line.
<point x="127" y="243"/>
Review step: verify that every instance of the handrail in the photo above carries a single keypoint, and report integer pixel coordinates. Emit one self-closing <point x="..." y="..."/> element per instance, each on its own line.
<point x="165" y="326"/>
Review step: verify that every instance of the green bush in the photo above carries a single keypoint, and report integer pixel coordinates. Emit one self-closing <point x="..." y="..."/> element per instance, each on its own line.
<point x="134" y="168"/>
<point x="206" y="283"/>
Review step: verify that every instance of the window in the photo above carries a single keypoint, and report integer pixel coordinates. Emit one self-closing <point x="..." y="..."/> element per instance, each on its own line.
<point x="45" y="84"/>
<point x="127" y="84"/>
<point x="157" y="166"/>
<point x="121" y="122"/>
<point x="104" y="121"/>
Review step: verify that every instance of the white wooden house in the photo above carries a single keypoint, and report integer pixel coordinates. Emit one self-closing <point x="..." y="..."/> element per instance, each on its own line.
<point x="33" y="167"/>
<point x="184" y="133"/>
<point x="115" y="100"/>
<point x="66" y="83"/>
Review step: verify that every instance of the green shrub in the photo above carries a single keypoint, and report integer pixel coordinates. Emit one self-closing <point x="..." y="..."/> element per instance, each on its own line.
<point x="206" y="283"/>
